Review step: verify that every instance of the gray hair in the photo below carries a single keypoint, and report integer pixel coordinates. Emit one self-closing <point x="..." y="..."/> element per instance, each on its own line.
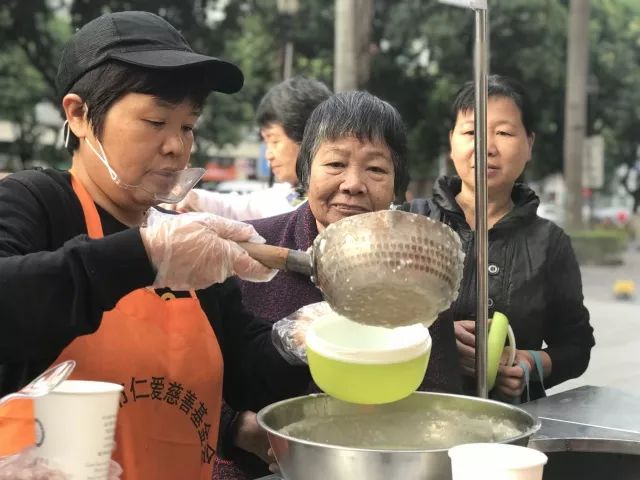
<point x="361" y="115"/>
<point x="290" y="103"/>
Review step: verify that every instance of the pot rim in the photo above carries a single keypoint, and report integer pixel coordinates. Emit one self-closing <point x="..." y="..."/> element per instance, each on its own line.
<point x="271" y="431"/>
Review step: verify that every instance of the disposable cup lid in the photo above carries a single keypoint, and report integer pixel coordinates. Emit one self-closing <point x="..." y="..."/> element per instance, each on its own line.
<point x="499" y="456"/>
<point x="82" y="387"/>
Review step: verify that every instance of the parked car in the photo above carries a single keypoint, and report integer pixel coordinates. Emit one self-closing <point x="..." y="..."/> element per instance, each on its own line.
<point x="557" y="214"/>
<point x="617" y="215"/>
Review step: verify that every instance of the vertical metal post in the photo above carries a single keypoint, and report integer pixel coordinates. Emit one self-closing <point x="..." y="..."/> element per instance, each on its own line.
<point x="480" y="74"/>
<point x="481" y="66"/>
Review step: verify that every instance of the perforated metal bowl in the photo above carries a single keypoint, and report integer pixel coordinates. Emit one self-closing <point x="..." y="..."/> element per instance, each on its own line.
<point x="388" y="267"/>
<point x="384" y="268"/>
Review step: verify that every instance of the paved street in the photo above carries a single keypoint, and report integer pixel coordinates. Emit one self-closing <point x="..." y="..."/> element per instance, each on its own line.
<point x="615" y="360"/>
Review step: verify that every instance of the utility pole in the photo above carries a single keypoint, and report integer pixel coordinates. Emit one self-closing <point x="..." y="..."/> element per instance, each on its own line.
<point x="288" y="9"/>
<point x="351" y="43"/>
<point x="575" y="110"/>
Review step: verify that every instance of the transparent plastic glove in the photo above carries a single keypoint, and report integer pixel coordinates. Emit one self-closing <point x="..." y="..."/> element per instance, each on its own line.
<point x="26" y="465"/>
<point x="196" y="250"/>
<point x="289" y="334"/>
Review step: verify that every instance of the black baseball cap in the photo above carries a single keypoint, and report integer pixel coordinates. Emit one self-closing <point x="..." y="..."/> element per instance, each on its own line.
<point x="143" y="39"/>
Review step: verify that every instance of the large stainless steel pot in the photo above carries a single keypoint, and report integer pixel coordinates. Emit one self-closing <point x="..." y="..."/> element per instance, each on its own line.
<point x="301" y="459"/>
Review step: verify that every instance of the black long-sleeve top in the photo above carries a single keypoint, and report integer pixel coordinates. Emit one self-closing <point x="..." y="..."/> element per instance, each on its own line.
<point x="534" y="279"/>
<point x="56" y="282"/>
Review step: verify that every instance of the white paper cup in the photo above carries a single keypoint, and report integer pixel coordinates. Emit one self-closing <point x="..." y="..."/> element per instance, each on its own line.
<point x="496" y="461"/>
<point x="75" y="427"/>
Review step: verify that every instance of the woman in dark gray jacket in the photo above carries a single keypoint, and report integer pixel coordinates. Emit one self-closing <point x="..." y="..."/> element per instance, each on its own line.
<point x="534" y="278"/>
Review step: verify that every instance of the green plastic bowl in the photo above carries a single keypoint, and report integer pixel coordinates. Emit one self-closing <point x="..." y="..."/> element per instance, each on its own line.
<point x="364" y="364"/>
<point x="499" y="331"/>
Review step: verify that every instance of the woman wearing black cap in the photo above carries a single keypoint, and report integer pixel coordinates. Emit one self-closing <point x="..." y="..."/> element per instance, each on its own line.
<point x="90" y="271"/>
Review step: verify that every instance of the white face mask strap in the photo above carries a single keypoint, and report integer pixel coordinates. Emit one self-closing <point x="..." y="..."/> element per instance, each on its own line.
<point x="66" y="131"/>
<point x="103" y="159"/>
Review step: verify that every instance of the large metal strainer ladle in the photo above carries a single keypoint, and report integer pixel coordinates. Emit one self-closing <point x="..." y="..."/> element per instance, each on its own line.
<point x="386" y="268"/>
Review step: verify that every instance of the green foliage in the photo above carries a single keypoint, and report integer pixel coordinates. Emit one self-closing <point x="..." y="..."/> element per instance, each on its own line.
<point x="228" y="118"/>
<point x="31" y="37"/>
<point x="429" y="56"/>
<point x="21" y="88"/>
<point x="528" y="42"/>
<point x="620" y="235"/>
<point x="615" y="67"/>
<point x="17" y="98"/>
<point x="600" y="246"/>
<point x="421" y="54"/>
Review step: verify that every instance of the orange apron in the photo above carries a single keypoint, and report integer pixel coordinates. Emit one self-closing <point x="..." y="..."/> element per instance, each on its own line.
<point x="164" y="352"/>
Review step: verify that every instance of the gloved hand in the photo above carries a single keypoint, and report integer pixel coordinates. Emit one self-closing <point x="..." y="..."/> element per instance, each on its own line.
<point x="289" y="334"/>
<point x="28" y="465"/>
<point x="196" y="250"/>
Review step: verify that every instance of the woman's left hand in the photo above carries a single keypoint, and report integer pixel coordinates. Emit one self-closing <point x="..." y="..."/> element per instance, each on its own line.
<point x="251" y="437"/>
<point x="510" y="379"/>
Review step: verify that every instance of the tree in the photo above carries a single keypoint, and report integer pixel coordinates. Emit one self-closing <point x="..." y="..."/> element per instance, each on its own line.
<point x="37" y="32"/>
<point x="421" y="54"/>
<point x="21" y="88"/>
<point x="426" y="55"/>
<point x="614" y="109"/>
<point x="27" y="78"/>
<point x="31" y="25"/>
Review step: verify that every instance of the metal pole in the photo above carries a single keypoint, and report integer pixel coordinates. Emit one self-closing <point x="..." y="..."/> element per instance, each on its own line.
<point x="480" y="74"/>
<point x="481" y="66"/>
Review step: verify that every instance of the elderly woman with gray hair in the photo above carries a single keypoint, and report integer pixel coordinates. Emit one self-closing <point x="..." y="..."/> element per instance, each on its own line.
<point x="352" y="160"/>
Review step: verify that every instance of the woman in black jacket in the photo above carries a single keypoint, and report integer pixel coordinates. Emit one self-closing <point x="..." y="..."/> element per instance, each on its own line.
<point x="534" y="278"/>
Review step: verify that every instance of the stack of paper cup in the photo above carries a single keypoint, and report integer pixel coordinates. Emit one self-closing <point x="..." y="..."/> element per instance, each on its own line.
<point x="496" y="461"/>
<point x="75" y="427"/>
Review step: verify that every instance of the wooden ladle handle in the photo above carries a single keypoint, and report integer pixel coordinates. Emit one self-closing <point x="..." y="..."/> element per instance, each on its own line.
<point x="268" y="255"/>
<point x="279" y="258"/>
